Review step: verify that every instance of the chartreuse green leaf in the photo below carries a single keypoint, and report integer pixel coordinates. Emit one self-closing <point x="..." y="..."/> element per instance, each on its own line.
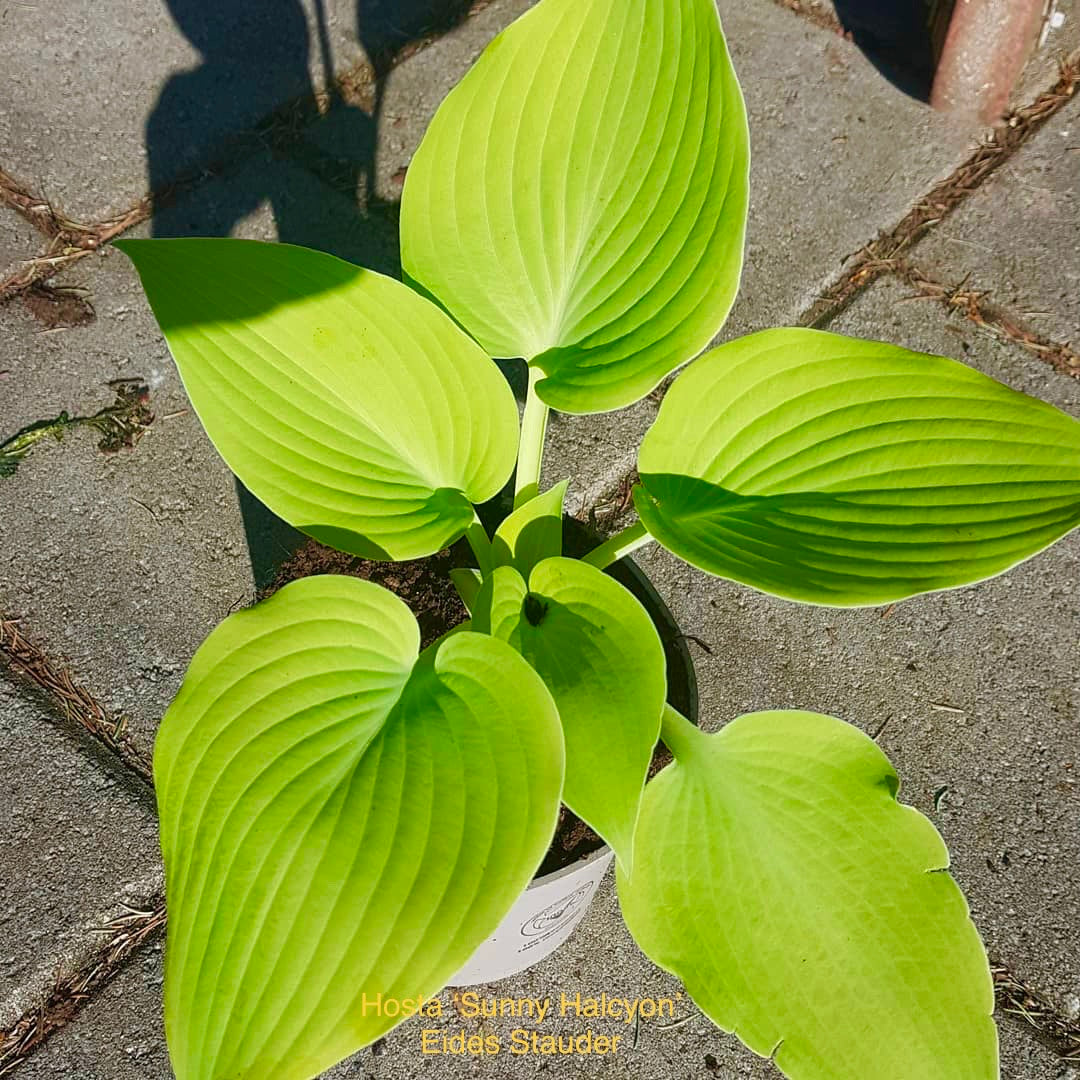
<point x="532" y="532"/>
<point x="805" y="909"/>
<point x="340" y="818"/>
<point x="351" y="406"/>
<point x="600" y="655"/>
<point x="836" y="471"/>
<point x="580" y="197"/>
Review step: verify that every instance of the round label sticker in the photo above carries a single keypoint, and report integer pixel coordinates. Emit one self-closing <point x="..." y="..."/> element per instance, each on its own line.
<point x="563" y="913"/>
<point x="543" y="917"/>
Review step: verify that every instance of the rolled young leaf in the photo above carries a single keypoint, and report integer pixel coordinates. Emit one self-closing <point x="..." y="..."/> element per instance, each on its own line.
<point x="805" y="909"/>
<point x="355" y="409"/>
<point x="580" y="197"/>
<point x="343" y="823"/>
<point x="836" y="471"/>
<point x="468" y="583"/>
<point x="532" y="532"/>
<point x="600" y="655"/>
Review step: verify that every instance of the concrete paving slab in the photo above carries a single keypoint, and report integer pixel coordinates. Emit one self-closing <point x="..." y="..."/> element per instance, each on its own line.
<point x="975" y="692"/>
<point x="19" y="240"/>
<point x="1060" y="37"/>
<point x="1018" y="235"/>
<point x="1024" y="1058"/>
<point x="594" y="452"/>
<point x="78" y="839"/>
<point x="104" y="102"/>
<point x="119" y="564"/>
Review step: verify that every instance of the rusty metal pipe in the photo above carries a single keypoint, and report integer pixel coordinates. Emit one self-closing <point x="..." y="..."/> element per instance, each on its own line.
<point x="984" y="51"/>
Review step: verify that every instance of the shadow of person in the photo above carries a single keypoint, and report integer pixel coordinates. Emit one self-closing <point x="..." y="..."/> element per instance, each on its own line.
<point x="251" y="63"/>
<point x="899" y="37"/>
<point x="385" y="27"/>
<point x="243" y="124"/>
<point x="251" y="102"/>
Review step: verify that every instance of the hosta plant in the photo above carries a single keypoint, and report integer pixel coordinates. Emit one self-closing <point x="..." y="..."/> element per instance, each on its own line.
<point x="344" y="814"/>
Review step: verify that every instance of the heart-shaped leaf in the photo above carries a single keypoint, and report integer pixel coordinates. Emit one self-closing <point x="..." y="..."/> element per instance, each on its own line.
<point x="600" y="655"/>
<point x="580" y="197"/>
<point x="836" y="471"/>
<point x="532" y="532"/>
<point x="805" y="909"/>
<point x="341" y="819"/>
<point x="351" y="406"/>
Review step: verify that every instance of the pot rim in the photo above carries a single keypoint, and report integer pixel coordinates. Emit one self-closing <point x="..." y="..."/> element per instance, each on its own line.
<point x="565" y="871"/>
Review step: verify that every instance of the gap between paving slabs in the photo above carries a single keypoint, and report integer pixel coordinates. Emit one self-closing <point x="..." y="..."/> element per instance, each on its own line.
<point x="877" y="257"/>
<point x="80" y="851"/>
<point x="820" y="12"/>
<point x="1003" y="239"/>
<point x="995" y="241"/>
<point x="961" y="297"/>
<point x="142" y="211"/>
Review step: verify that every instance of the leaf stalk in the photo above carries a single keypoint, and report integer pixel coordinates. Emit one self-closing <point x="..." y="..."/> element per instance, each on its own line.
<point x="480" y="543"/>
<point x="531" y="450"/>
<point x="678" y="734"/>
<point x="619" y="546"/>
